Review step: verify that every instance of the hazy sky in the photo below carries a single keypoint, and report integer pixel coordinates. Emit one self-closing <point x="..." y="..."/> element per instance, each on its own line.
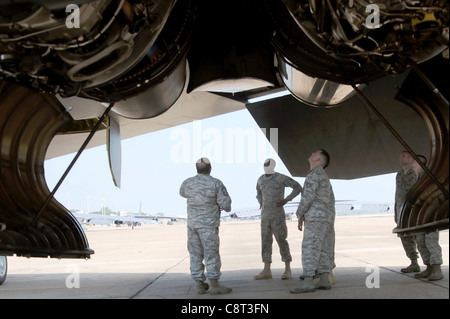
<point x="154" y="166"/>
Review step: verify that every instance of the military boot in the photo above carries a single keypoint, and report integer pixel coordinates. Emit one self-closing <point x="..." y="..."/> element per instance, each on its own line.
<point x="424" y="274"/>
<point x="217" y="289"/>
<point x="265" y="274"/>
<point x="202" y="287"/>
<point x="413" y="267"/>
<point x="307" y="285"/>
<point x="436" y="273"/>
<point x="331" y="277"/>
<point x="287" y="272"/>
<point x="324" y="281"/>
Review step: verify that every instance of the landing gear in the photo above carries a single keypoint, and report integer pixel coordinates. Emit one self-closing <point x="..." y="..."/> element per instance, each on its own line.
<point x="3" y="269"/>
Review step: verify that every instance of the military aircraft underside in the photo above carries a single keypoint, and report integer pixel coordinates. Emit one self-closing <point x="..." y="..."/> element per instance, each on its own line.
<point x="364" y="80"/>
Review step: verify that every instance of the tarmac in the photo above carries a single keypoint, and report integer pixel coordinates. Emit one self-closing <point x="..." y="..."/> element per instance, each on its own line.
<point x="152" y="262"/>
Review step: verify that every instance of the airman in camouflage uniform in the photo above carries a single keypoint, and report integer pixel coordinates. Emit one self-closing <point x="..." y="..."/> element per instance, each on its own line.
<point x="206" y="197"/>
<point x="405" y="179"/>
<point x="316" y="211"/>
<point x="428" y="243"/>
<point x="270" y="194"/>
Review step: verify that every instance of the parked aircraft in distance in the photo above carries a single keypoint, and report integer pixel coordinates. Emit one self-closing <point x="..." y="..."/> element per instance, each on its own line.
<point x="134" y="220"/>
<point x="342" y="207"/>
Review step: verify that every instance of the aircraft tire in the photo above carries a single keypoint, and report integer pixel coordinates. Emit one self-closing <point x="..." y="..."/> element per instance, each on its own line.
<point x="3" y="269"/>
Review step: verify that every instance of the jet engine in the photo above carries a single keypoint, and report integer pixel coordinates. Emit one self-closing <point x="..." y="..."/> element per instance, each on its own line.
<point x="116" y="50"/>
<point x="105" y="50"/>
<point x="323" y="46"/>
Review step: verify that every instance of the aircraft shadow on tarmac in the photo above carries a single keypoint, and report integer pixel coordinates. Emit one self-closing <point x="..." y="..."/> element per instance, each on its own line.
<point x="350" y="283"/>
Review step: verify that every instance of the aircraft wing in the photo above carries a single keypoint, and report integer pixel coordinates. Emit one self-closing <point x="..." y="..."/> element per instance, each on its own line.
<point x="358" y="142"/>
<point x="71" y="70"/>
<point x="190" y="107"/>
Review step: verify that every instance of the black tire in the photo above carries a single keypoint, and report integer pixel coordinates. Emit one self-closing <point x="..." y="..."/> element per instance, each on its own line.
<point x="3" y="269"/>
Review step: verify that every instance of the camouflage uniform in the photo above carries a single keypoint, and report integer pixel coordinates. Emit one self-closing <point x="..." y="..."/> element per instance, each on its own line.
<point x="270" y="190"/>
<point x="404" y="181"/>
<point x="428" y="245"/>
<point x="330" y="243"/>
<point x="318" y="237"/>
<point x="206" y="196"/>
<point x="429" y="248"/>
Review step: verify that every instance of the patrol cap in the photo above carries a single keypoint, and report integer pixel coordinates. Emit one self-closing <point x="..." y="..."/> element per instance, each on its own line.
<point x="269" y="166"/>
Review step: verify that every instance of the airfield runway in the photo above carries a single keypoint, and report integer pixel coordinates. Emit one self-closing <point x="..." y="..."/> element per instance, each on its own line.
<point x="152" y="262"/>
